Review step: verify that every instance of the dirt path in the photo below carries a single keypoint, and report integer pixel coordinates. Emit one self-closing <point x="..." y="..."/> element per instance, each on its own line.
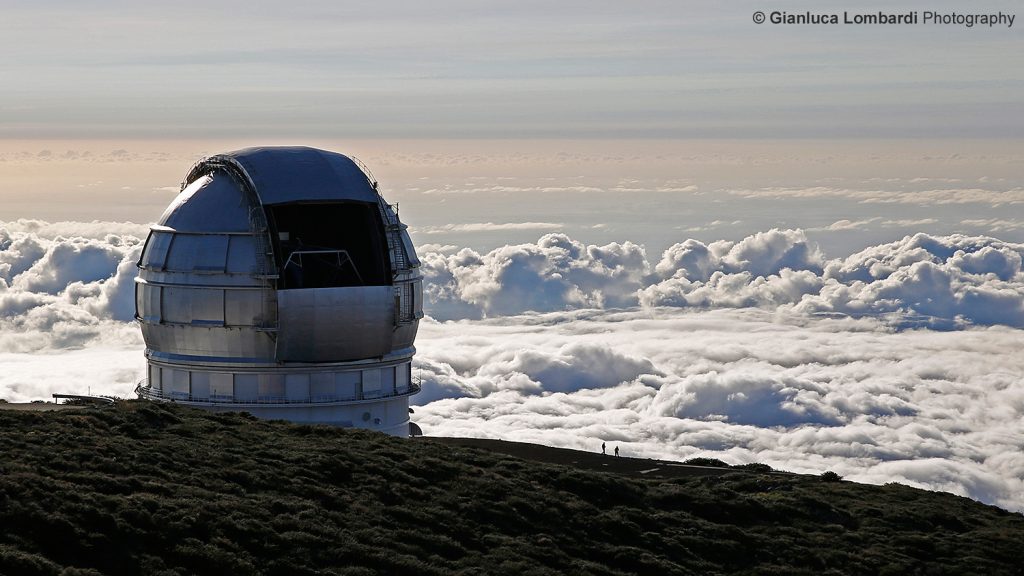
<point x="639" y="467"/>
<point x="35" y="406"/>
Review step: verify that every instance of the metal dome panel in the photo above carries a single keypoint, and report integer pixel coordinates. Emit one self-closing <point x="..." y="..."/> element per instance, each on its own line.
<point x="330" y="324"/>
<point x="299" y="174"/>
<point x="211" y="203"/>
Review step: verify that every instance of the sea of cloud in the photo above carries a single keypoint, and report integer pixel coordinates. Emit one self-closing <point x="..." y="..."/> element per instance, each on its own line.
<point x="940" y="281"/>
<point x="936" y="409"/>
<point x="898" y="363"/>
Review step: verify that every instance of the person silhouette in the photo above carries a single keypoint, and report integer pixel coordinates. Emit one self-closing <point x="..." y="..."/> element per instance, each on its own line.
<point x="616" y="450"/>
<point x="602" y="448"/>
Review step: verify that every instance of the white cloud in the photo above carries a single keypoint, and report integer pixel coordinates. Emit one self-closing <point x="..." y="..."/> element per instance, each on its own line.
<point x="489" y="227"/>
<point x="986" y="196"/>
<point x="542" y="186"/>
<point x="434" y="247"/>
<point x="96" y="230"/>
<point x="936" y="280"/>
<point x="848" y="225"/>
<point x="951" y="279"/>
<point x="739" y="290"/>
<point x="908" y="222"/>
<point x="112" y="368"/>
<point x="709" y="226"/>
<point x="994" y="224"/>
<point x="519" y="190"/>
<point x="841" y="225"/>
<point x="66" y="285"/>
<point x="556" y="273"/>
<point x="18" y="253"/>
<point x="68" y="260"/>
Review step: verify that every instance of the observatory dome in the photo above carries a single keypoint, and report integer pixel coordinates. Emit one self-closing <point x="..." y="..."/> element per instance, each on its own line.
<point x="280" y="282"/>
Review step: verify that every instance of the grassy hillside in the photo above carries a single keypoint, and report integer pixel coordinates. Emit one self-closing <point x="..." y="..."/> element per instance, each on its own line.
<point x="141" y="488"/>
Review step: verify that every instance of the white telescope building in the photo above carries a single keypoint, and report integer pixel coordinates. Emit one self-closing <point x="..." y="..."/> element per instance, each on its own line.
<point x="279" y="282"/>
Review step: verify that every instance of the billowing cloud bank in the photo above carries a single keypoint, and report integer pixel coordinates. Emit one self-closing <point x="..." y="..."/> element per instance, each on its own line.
<point x="945" y="282"/>
<point x="66" y="301"/>
<point x="66" y="284"/>
<point x="756" y="350"/>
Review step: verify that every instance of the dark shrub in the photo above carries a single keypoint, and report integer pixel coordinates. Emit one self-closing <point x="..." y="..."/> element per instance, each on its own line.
<point x="709" y="462"/>
<point x="754" y="467"/>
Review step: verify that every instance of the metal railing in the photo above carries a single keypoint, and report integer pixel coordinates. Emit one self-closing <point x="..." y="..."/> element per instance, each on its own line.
<point x="338" y="255"/>
<point x="84" y="398"/>
<point x="144" y="390"/>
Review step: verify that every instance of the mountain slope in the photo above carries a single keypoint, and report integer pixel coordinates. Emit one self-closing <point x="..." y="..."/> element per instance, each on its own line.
<point x="161" y="489"/>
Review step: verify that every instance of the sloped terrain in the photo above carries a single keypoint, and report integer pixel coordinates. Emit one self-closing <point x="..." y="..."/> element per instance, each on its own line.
<point x="143" y="488"/>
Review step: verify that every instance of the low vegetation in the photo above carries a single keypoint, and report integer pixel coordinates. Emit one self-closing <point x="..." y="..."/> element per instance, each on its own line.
<point x="143" y="488"/>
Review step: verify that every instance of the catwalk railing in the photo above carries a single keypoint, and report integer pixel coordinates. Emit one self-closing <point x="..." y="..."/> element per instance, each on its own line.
<point x="144" y="390"/>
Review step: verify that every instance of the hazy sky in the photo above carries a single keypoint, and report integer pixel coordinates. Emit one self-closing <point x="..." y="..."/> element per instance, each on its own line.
<point x="649" y="121"/>
<point x="471" y="69"/>
<point x="845" y="194"/>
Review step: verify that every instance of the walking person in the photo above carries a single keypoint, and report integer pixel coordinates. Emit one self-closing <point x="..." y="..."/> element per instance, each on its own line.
<point x="616" y="451"/>
<point x="602" y="448"/>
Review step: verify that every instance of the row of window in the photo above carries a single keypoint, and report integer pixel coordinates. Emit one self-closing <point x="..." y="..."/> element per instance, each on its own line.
<point x="203" y="306"/>
<point x="309" y="387"/>
<point x="226" y="253"/>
